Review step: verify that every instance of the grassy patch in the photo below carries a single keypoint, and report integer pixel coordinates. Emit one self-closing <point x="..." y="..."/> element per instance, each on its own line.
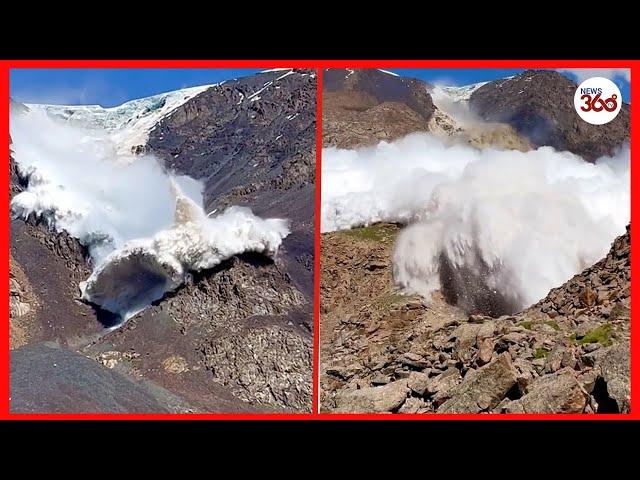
<point x="553" y="325"/>
<point x="540" y="353"/>
<point x="386" y="301"/>
<point x="526" y="324"/>
<point x="601" y="335"/>
<point x="373" y="233"/>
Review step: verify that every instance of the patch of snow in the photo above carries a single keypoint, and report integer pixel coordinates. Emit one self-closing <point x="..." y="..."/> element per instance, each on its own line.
<point x="285" y="75"/>
<point x="388" y="72"/>
<point x="266" y="85"/>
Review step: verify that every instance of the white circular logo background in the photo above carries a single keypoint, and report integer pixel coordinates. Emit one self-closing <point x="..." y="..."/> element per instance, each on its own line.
<point x="597" y="100"/>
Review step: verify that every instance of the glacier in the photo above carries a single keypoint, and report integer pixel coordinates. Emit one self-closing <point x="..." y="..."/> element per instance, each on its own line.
<point x="130" y="123"/>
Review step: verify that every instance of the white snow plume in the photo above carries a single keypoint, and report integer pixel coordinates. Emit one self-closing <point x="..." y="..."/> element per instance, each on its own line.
<point x="455" y="102"/>
<point x="143" y="270"/>
<point x="495" y="230"/>
<point x="145" y="229"/>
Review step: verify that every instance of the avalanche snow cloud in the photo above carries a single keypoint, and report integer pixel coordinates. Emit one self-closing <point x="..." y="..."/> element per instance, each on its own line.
<point x="494" y="229"/>
<point x="144" y="228"/>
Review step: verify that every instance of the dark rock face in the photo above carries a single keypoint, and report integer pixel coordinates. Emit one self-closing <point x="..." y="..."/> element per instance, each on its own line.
<point x="364" y="106"/>
<point x="244" y="137"/>
<point x="49" y="379"/>
<point x="539" y="105"/>
<point x="252" y="142"/>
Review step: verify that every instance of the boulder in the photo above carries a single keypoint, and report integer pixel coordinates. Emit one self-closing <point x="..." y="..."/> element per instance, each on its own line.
<point x="388" y="398"/>
<point x="482" y="389"/>
<point x="559" y="392"/>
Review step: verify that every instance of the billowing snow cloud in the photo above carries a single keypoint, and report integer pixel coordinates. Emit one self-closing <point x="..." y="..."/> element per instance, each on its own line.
<point x="145" y="229"/>
<point x="495" y="229"/>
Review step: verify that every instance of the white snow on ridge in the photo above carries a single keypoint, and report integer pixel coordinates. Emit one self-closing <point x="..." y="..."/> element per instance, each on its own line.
<point x="130" y="123"/>
<point x="460" y="94"/>
<point x="275" y="70"/>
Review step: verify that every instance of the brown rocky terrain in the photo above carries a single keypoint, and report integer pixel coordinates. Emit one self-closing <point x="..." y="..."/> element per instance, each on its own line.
<point x="382" y="351"/>
<point x="362" y="107"/>
<point x="237" y="338"/>
<point x="386" y="352"/>
<point x="538" y="104"/>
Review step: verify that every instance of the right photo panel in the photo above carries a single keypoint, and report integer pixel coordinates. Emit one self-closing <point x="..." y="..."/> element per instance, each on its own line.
<point x="475" y="245"/>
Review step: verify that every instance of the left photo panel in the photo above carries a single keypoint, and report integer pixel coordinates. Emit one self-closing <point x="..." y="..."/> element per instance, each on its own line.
<point x="162" y="240"/>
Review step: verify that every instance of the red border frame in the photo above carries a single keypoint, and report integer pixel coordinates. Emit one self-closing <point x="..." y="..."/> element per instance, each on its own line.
<point x="5" y="65"/>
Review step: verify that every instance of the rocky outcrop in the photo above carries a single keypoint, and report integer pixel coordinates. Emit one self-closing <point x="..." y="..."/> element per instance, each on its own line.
<point x="538" y="104"/>
<point x="364" y="106"/>
<point x="569" y="353"/>
<point x="23" y="305"/>
<point x="267" y="365"/>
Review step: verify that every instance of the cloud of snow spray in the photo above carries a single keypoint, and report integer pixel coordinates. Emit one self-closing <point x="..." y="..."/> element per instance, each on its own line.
<point x="144" y="229"/>
<point x="495" y="230"/>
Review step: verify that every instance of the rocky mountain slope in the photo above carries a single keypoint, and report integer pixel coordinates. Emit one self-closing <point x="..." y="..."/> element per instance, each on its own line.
<point x="47" y="378"/>
<point x="538" y="104"/>
<point x="362" y="107"/>
<point x="252" y="142"/>
<point x="382" y="351"/>
<point x="236" y="338"/>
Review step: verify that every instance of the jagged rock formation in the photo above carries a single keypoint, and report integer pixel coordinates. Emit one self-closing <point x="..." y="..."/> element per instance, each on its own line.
<point x="382" y="351"/>
<point x="237" y="338"/>
<point x="538" y="104"/>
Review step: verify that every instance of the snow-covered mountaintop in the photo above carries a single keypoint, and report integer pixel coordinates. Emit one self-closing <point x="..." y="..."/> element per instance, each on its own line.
<point x="129" y="123"/>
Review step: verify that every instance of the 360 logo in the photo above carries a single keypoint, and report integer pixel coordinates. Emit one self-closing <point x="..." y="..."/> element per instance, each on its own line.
<point x="597" y="100"/>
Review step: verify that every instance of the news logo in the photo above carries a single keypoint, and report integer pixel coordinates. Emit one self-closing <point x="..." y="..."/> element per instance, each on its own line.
<point x="597" y="100"/>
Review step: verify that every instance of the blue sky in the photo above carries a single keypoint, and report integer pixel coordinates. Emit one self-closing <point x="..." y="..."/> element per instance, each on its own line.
<point x="465" y="76"/>
<point x="108" y="87"/>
